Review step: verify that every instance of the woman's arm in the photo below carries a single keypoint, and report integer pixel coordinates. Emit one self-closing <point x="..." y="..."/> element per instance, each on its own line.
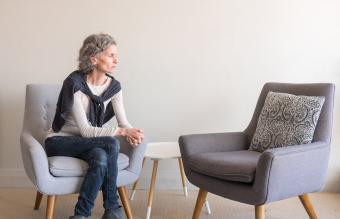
<point x="133" y="135"/>
<point x="118" y="107"/>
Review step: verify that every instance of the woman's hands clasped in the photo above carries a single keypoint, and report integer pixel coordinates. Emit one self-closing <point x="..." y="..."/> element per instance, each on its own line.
<point x="134" y="136"/>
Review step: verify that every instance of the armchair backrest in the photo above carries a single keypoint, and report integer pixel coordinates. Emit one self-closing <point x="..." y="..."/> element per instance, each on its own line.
<point x="40" y="106"/>
<point x="323" y="129"/>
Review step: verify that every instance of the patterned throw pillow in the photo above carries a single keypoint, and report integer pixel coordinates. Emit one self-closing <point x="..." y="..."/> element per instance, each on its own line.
<point x="286" y="120"/>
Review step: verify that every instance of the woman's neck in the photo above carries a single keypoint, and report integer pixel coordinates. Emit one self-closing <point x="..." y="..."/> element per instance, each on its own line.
<point x="96" y="78"/>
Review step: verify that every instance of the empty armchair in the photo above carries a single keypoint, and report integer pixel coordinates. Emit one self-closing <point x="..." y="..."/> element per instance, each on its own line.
<point x="221" y="163"/>
<point x="59" y="175"/>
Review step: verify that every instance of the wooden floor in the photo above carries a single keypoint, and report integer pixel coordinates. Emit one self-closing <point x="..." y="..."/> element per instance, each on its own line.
<point x="18" y="204"/>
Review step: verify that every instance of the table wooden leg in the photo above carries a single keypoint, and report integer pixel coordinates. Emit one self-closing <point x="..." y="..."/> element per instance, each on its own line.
<point x="181" y="168"/>
<point x="207" y="206"/>
<point x="135" y="185"/>
<point x="152" y="186"/>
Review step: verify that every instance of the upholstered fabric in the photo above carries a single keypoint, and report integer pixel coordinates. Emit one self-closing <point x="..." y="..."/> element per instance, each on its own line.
<point x="280" y="172"/>
<point x="69" y="166"/>
<point x="40" y="107"/>
<point x="286" y="120"/>
<point x="236" y="166"/>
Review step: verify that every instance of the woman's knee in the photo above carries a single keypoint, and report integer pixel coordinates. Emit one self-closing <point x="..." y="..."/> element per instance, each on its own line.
<point x="112" y="144"/>
<point x="110" y="140"/>
<point x="99" y="157"/>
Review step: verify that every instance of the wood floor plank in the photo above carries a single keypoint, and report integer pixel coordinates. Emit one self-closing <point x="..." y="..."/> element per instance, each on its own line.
<point x="17" y="204"/>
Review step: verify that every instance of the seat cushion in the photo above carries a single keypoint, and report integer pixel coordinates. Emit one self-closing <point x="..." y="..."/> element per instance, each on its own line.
<point x="236" y="166"/>
<point x="70" y="166"/>
<point x="286" y="120"/>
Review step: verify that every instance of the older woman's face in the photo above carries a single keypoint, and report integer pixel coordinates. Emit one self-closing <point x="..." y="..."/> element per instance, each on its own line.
<point x="106" y="61"/>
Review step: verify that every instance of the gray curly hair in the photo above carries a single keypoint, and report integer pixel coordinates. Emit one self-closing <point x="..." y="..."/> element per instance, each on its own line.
<point x="93" y="45"/>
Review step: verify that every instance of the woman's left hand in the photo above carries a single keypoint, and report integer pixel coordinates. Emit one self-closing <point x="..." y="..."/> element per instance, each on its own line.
<point x="133" y="141"/>
<point x="134" y="136"/>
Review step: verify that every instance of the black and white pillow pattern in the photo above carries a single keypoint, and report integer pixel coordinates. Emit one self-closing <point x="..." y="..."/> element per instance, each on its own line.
<point x="286" y="120"/>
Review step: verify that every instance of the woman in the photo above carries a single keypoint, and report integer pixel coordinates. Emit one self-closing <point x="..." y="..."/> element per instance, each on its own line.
<point x="89" y="98"/>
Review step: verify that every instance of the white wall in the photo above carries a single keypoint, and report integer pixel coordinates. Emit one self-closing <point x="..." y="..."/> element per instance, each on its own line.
<point x="185" y="66"/>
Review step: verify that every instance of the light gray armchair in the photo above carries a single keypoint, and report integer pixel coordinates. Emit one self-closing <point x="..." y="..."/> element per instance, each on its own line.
<point x="59" y="175"/>
<point x="222" y="164"/>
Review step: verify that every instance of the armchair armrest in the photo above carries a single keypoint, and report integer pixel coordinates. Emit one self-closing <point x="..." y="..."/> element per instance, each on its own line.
<point x="34" y="159"/>
<point x="291" y="171"/>
<point x="211" y="142"/>
<point x="135" y="154"/>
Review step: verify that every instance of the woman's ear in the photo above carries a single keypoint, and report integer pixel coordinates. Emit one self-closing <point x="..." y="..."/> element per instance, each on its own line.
<point x="93" y="59"/>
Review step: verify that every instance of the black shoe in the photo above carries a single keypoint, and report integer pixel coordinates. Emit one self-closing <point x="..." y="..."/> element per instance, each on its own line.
<point x="114" y="214"/>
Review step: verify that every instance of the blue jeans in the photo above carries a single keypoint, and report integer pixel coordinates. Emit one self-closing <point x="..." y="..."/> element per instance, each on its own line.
<point x="101" y="154"/>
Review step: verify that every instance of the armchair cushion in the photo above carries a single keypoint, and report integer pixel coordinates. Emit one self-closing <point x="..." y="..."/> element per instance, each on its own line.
<point x="286" y="120"/>
<point x="70" y="166"/>
<point x="237" y="166"/>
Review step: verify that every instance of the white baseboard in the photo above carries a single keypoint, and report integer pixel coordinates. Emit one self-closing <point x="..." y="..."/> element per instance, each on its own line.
<point x="333" y="181"/>
<point x="14" y="178"/>
<point x="165" y="180"/>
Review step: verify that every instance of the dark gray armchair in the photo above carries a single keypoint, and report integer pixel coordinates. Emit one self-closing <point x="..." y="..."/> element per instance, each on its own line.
<point x="221" y="163"/>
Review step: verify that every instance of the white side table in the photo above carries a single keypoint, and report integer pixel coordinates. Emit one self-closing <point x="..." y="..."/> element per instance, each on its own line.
<point x="159" y="151"/>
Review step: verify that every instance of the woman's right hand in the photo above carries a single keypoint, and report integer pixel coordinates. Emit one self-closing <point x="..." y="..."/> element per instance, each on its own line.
<point x="134" y="136"/>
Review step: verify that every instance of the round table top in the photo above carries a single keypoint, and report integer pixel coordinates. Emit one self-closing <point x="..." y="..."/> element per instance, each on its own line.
<point x="162" y="150"/>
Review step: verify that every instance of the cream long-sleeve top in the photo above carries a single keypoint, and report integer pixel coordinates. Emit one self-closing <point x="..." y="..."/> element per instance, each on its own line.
<point x="77" y="123"/>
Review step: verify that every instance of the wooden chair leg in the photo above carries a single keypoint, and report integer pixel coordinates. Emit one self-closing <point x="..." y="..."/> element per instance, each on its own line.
<point x="202" y="196"/>
<point x="308" y="206"/>
<point x="125" y="202"/>
<point x="50" y="206"/>
<point x="38" y="200"/>
<point x="259" y="212"/>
